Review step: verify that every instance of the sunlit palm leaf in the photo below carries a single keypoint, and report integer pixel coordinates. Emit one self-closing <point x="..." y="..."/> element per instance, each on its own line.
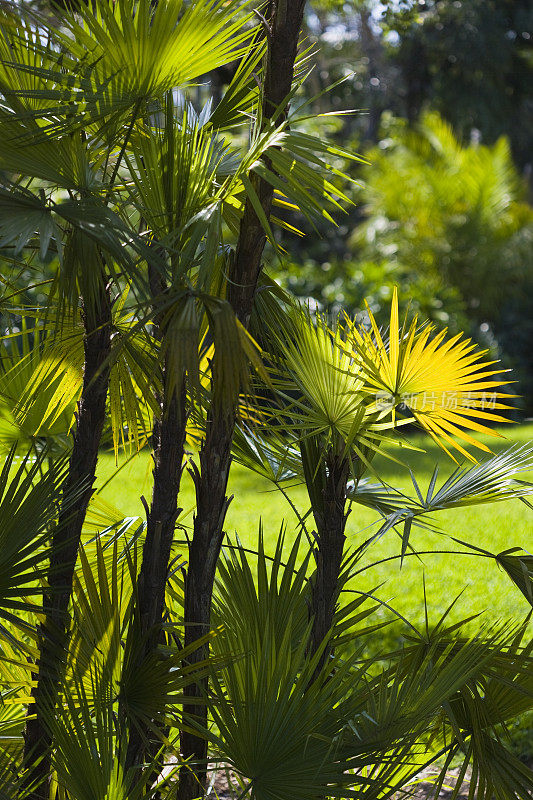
<point x="271" y="455"/>
<point x="173" y="168"/>
<point x="493" y="480"/>
<point x="445" y="384"/>
<point x="43" y="385"/>
<point x="29" y="495"/>
<point x="51" y="414"/>
<point x="123" y="54"/>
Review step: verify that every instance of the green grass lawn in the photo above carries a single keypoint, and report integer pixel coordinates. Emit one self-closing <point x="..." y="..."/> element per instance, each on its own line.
<point x="495" y="527"/>
<point x="485" y="588"/>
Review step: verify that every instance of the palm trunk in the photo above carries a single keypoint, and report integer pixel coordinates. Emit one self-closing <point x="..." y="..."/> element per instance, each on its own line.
<point x="211" y="505"/>
<point x="169" y="431"/>
<point x="169" y="442"/>
<point x="285" y="21"/>
<point x="330" y="520"/>
<point x="65" y="541"/>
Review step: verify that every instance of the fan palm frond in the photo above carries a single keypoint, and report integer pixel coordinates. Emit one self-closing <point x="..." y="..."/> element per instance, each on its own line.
<point x="173" y="168"/>
<point x="44" y="379"/>
<point x="278" y="595"/>
<point x="493" y="480"/>
<point x="51" y="413"/>
<point x="345" y="732"/>
<point x="29" y="495"/>
<point x="89" y="752"/>
<point x="124" y="54"/>
<point x="273" y="456"/>
<point x="447" y="386"/>
<point x="322" y="393"/>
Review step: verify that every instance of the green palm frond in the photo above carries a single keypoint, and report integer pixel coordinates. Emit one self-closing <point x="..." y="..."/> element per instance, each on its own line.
<point x="297" y="168"/>
<point x="11" y="712"/>
<point x="44" y="384"/>
<point x="26" y="217"/>
<point x="493" y="480"/>
<point x="272" y="455"/>
<point x="503" y="690"/>
<point x="496" y="772"/>
<point x="320" y="393"/>
<point x="22" y="215"/>
<point x="173" y="169"/>
<point x="221" y="368"/>
<point x="116" y="57"/>
<point x="102" y="592"/>
<point x="234" y="354"/>
<point x="134" y="382"/>
<point x="29" y="494"/>
<point x="151" y="692"/>
<point x="43" y="380"/>
<point x="520" y="569"/>
<point x="278" y="596"/>
<point x="384" y="499"/>
<point x="60" y="162"/>
<point x="105" y="687"/>
<point x="302" y="172"/>
<point x="346" y="733"/>
<point x="515" y="562"/>
<point x="49" y="416"/>
<point x="89" y="752"/>
<point x="11" y="783"/>
<point x="25" y="58"/>
<point x="242" y="97"/>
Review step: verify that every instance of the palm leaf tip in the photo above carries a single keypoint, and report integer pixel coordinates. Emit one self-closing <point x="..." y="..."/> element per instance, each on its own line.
<point x="446" y="384"/>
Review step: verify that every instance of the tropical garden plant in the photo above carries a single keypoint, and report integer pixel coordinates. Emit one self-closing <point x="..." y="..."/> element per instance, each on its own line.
<point x="126" y="662"/>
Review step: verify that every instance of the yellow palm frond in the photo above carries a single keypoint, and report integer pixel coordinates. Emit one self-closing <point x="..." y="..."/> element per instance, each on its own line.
<point x="447" y="385"/>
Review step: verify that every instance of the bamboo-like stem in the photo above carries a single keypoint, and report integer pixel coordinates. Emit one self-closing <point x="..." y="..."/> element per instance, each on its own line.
<point x="169" y="443"/>
<point x="212" y="503"/>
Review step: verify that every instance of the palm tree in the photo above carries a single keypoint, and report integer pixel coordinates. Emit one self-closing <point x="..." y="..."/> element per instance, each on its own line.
<point x="140" y="158"/>
<point x="339" y="392"/>
<point x="91" y="62"/>
<point x="135" y="188"/>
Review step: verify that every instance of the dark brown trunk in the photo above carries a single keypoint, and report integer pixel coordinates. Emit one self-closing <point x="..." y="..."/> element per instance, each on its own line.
<point x="285" y="20"/>
<point x="331" y="523"/>
<point x="169" y="442"/>
<point x="65" y="541"/>
<point x="169" y="430"/>
<point x="285" y="26"/>
<point x="211" y="481"/>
